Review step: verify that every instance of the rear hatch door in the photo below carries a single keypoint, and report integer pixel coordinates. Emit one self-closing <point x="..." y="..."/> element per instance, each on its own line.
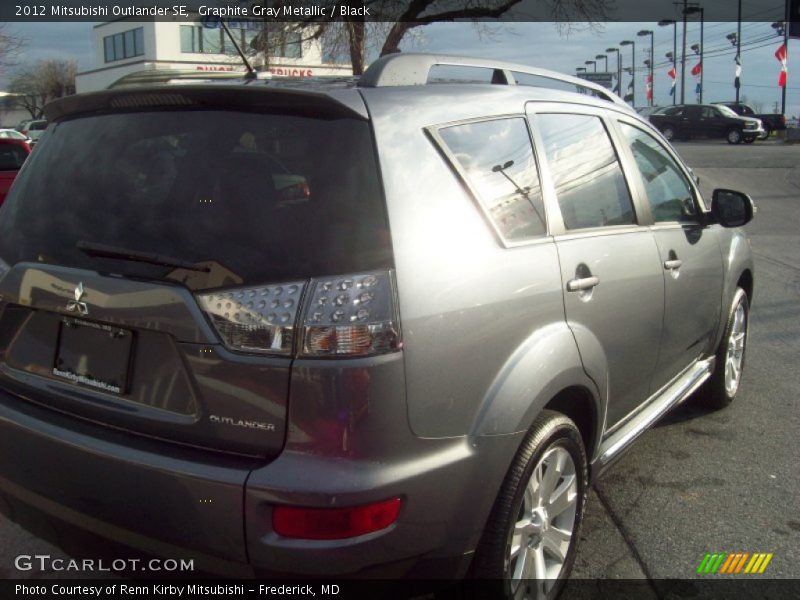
<point x="237" y="197"/>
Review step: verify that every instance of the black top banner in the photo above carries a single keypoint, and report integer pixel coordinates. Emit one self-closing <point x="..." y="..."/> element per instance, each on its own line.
<point x="396" y="10"/>
<point x="794" y="18"/>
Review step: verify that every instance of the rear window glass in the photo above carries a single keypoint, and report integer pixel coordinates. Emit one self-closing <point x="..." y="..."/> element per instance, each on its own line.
<point x="257" y="198"/>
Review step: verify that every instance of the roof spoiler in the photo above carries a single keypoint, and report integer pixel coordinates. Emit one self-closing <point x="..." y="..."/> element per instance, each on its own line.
<point x="241" y="97"/>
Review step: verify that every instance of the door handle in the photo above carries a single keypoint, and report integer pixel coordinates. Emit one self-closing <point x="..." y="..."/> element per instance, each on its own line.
<point x="671" y="265"/>
<point x="578" y="285"/>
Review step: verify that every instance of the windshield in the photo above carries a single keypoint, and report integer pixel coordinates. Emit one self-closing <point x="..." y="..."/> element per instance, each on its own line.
<point x="256" y="198"/>
<point x="726" y="111"/>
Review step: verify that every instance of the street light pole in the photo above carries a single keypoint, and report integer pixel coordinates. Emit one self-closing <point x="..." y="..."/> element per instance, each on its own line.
<point x="593" y="63"/>
<point x="738" y="49"/>
<point x="782" y="29"/>
<point x="619" y="68"/>
<point x="683" y="57"/>
<point x="643" y="33"/>
<point x="689" y="11"/>
<point x="674" y="24"/>
<point x="605" y="58"/>
<point x="632" y="44"/>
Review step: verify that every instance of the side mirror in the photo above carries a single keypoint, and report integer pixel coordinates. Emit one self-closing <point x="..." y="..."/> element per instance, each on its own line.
<point x="731" y="208"/>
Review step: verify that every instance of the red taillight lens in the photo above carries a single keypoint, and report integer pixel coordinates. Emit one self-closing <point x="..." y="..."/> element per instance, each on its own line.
<point x="334" y="523"/>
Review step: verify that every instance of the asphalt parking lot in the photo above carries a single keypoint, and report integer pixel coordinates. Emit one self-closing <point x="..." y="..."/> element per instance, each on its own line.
<point x="699" y="481"/>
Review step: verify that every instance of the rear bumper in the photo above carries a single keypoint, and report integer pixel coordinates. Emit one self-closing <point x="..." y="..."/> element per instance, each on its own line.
<point x="173" y="502"/>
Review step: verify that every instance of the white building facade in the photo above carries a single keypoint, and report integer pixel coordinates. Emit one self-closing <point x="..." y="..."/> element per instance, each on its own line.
<point x="123" y="47"/>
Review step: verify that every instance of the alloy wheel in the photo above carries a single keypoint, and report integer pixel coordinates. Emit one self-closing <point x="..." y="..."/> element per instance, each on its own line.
<point x="541" y="536"/>
<point x="734" y="355"/>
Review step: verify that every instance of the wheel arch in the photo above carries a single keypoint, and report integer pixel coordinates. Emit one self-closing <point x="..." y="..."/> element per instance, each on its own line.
<point x="579" y="405"/>
<point x="545" y="371"/>
<point x="745" y="282"/>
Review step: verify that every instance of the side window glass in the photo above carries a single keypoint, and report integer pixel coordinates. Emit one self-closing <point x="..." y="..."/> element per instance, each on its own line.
<point x="497" y="157"/>
<point x="589" y="183"/>
<point x="668" y="191"/>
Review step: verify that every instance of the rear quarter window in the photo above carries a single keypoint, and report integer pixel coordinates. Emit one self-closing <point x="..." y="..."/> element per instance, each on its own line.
<point x="496" y="158"/>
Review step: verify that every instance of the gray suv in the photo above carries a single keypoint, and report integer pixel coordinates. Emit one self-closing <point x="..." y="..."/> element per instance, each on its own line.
<point x="384" y="328"/>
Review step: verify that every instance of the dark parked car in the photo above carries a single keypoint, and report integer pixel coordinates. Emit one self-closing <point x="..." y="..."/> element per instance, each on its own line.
<point x="688" y="121"/>
<point x="770" y="121"/>
<point x="13" y="153"/>
<point x="332" y="329"/>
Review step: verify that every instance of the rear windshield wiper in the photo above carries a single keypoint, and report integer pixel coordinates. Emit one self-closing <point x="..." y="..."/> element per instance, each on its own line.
<point x="103" y="251"/>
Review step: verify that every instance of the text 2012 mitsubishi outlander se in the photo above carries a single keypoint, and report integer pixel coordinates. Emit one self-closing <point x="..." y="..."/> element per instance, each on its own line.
<point x="389" y="327"/>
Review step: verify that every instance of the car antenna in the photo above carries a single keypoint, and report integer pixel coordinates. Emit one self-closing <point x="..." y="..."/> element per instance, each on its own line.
<point x="251" y="72"/>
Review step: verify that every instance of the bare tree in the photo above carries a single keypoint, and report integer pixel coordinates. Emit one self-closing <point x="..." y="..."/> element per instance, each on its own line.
<point x="37" y="84"/>
<point x="10" y="46"/>
<point x="390" y="21"/>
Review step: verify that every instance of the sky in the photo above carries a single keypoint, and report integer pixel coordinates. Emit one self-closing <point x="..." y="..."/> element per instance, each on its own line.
<point x="545" y="45"/>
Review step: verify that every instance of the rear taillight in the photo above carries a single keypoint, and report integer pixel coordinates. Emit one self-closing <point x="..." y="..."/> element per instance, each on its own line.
<point x="334" y="523"/>
<point x="260" y="319"/>
<point x="352" y="315"/>
<point x="346" y="316"/>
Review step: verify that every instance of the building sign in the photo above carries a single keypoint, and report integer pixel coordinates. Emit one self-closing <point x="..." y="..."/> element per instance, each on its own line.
<point x="291" y="72"/>
<point x="278" y="71"/>
<point x="603" y="79"/>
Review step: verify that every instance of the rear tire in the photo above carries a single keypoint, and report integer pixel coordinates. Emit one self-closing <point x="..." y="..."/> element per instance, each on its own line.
<point x="722" y="387"/>
<point x="530" y="539"/>
<point x="734" y="135"/>
<point x="668" y="132"/>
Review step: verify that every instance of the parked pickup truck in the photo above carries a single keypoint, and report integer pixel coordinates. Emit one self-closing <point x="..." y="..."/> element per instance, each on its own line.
<point x="772" y="121"/>
<point x="686" y="121"/>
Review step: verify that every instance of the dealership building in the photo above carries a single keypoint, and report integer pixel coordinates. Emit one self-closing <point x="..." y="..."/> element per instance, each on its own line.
<point x="123" y="46"/>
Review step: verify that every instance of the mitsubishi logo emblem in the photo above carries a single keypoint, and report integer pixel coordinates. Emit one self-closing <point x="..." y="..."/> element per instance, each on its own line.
<point x="76" y="305"/>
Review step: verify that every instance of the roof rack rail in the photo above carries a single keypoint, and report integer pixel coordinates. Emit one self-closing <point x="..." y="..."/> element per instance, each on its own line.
<point x="158" y="76"/>
<point x="414" y="69"/>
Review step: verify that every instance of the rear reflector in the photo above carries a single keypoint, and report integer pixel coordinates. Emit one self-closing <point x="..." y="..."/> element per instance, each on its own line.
<point x="334" y="523"/>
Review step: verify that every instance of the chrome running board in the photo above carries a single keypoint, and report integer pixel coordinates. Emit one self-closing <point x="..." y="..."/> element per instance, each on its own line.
<point x="666" y="399"/>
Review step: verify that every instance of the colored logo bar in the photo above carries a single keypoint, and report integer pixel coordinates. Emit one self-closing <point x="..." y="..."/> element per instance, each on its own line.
<point x="723" y="563"/>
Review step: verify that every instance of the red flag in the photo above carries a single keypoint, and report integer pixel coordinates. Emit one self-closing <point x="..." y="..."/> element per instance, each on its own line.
<point x="782" y="55"/>
<point x="697" y="69"/>
<point x="649" y="86"/>
<point x="672" y="74"/>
